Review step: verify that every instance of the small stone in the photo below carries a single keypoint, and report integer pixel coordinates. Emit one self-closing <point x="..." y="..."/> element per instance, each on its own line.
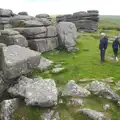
<point x="106" y="107"/>
<point x="58" y="70"/>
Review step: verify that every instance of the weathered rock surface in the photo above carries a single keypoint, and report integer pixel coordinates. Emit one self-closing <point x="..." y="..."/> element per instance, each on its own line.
<point x="19" y="88"/>
<point x="5" y="12"/>
<point x="43" y="44"/>
<point x="44" y="64"/>
<point x="72" y="89"/>
<point x="26" y="23"/>
<point x="33" y="32"/>
<point x="67" y="34"/>
<point x="23" y="13"/>
<point x="92" y="114"/>
<point x="50" y="115"/>
<point x="36" y="91"/>
<point x="8" y="107"/>
<point x="101" y="89"/>
<point x="17" y="60"/>
<point x="10" y="37"/>
<point x="42" y="93"/>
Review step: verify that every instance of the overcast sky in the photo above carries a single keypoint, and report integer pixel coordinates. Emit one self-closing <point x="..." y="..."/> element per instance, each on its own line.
<point x="33" y="7"/>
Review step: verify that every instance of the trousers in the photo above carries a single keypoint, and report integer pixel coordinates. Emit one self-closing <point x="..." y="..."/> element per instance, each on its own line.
<point x="102" y="55"/>
<point x="115" y="50"/>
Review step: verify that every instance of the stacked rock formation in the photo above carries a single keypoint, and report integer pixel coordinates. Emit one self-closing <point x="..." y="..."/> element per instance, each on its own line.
<point x="85" y="21"/>
<point x="5" y="16"/>
<point x="40" y="33"/>
<point x="11" y="37"/>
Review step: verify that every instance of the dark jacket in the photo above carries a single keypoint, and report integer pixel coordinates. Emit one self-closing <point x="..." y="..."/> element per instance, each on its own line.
<point x="103" y="43"/>
<point x="116" y="44"/>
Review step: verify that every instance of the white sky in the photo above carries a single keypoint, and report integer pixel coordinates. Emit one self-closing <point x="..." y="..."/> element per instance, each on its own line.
<point x="33" y="7"/>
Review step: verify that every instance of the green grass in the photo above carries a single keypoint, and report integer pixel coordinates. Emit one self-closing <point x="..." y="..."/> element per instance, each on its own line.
<point x="85" y="64"/>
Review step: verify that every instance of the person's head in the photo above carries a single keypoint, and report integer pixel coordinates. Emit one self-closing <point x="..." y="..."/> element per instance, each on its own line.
<point x="103" y="34"/>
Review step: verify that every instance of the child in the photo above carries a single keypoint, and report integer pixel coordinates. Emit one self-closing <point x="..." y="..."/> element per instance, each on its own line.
<point x="115" y="46"/>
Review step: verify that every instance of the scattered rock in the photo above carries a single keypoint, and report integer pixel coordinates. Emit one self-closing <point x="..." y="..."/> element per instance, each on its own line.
<point x="67" y="34"/>
<point x="92" y="114"/>
<point x="57" y="70"/>
<point x="101" y="89"/>
<point x="72" y="89"/>
<point x="44" y="64"/>
<point x="42" y="93"/>
<point x="23" y="13"/>
<point x="106" y="107"/>
<point x="8" y="107"/>
<point x="50" y="115"/>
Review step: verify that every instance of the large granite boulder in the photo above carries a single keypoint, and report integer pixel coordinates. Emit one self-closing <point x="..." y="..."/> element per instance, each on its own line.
<point x="104" y="90"/>
<point x="67" y="34"/>
<point x="42" y="93"/>
<point x="17" y="60"/>
<point x="8" y="107"/>
<point x="36" y="91"/>
<point x="72" y="89"/>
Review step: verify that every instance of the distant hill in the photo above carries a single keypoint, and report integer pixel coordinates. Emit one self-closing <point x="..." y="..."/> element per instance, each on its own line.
<point x="111" y="18"/>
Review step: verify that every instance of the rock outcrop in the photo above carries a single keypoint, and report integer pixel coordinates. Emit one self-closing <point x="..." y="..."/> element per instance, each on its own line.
<point x="85" y="21"/>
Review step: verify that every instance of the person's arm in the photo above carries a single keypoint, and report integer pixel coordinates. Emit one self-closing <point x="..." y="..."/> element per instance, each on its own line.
<point x="106" y="43"/>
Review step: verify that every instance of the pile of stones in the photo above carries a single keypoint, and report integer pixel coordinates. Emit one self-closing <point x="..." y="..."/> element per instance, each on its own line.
<point x="85" y="21"/>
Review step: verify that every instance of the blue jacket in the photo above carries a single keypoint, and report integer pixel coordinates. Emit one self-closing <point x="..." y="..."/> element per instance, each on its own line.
<point x="116" y="44"/>
<point x="103" y="43"/>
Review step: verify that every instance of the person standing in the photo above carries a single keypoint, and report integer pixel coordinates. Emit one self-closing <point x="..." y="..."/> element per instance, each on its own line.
<point x="103" y="46"/>
<point x="115" y="47"/>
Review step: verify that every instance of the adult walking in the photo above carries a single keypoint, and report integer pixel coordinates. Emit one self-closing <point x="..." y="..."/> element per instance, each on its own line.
<point x="115" y="47"/>
<point x="103" y="46"/>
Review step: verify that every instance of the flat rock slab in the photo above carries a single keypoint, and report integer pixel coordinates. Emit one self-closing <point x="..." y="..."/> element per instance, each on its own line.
<point x="16" y="60"/>
<point x="43" y="44"/>
<point x="33" y="32"/>
<point x="67" y="33"/>
<point x="26" y="23"/>
<point x="72" y="89"/>
<point x="92" y="114"/>
<point x="104" y="90"/>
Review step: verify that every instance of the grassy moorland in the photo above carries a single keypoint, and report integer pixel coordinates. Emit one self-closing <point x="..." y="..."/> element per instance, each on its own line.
<point x="83" y="64"/>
